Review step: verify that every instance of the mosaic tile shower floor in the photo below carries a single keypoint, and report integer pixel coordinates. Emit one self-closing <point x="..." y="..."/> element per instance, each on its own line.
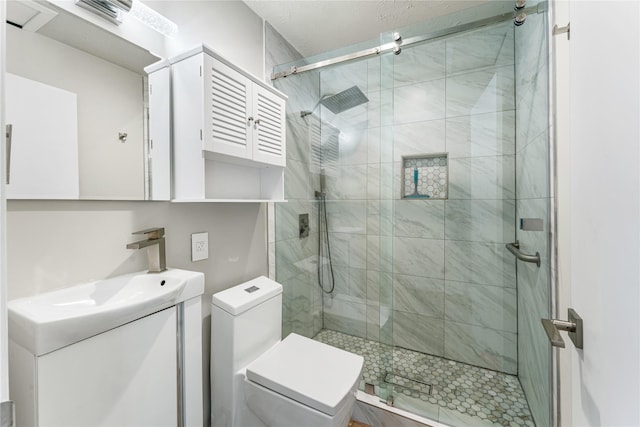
<point x="450" y="392"/>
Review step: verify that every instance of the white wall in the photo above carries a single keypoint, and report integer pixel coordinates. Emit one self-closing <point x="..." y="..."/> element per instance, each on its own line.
<point x="229" y="27"/>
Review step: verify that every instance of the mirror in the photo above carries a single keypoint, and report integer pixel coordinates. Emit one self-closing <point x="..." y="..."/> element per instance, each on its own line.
<point x="69" y="72"/>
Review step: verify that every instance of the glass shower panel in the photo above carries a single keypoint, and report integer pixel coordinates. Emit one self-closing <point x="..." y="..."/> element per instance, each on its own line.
<point x="454" y="283"/>
<point x="533" y="201"/>
<point x="296" y="257"/>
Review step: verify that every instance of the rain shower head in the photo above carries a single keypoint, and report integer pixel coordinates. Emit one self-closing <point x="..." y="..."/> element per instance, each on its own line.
<point x="344" y="100"/>
<point x="341" y="101"/>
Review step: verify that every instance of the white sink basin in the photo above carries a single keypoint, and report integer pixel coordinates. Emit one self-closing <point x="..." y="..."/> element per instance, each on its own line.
<point x="49" y="321"/>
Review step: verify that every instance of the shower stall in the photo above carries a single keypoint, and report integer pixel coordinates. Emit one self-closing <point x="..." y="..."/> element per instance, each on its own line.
<point x="417" y="164"/>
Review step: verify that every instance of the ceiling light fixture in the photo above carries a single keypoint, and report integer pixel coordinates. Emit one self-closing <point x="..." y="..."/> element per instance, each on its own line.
<point x="153" y="19"/>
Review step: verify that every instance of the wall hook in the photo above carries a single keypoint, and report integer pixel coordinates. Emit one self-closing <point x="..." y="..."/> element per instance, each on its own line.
<point x="122" y="136"/>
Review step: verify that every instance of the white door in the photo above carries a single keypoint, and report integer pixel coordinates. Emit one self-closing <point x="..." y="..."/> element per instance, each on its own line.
<point x="602" y="210"/>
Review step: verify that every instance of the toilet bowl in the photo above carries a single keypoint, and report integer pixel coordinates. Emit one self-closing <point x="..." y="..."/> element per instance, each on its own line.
<point x="258" y="380"/>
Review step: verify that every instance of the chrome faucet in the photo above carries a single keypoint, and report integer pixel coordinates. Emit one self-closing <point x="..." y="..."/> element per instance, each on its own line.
<point x="156" y="248"/>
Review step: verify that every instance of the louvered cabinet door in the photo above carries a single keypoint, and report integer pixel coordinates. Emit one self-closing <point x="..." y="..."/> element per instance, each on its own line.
<point x="269" y="127"/>
<point x="228" y="121"/>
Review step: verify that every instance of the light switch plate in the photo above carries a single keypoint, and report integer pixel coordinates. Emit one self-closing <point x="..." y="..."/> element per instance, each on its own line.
<point x="199" y="246"/>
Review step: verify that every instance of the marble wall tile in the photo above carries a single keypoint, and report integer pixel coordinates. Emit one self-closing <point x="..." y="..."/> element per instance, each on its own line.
<point x="373" y="145"/>
<point x="278" y="49"/>
<point x="353" y="118"/>
<point x="286" y="218"/>
<point x="380" y="108"/>
<point x="353" y="146"/>
<point x="348" y="250"/>
<point x="373" y="74"/>
<point x="419" y="102"/>
<point x="488" y="306"/>
<point x="386" y="143"/>
<point x="487" y="348"/>
<point x="373" y="181"/>
<point x="480" y="263"/>
<point x="350" y="283"/>
<point x="347" y="216"/>
<point x="489" y="177"/>
<point x="297" y="303"/>
<point x="345" y="316"/>
<point x="419" y="257"/>
<point x="373" y="217"/>
<point x="349" y="184"/>
<point x="337" y="79"/>
<point x="418" y="138"/>
<point x="532" y="105"/>
<point x="530" y="50"/>
<point x="298" y="142"/>
<point x="420" y="333"/>
<point x="488" y="134"/>
<point x="480" y="220"/>
<point x="419" y="295"/>
<point x="419" y="218"/>
<point x="380" y="253"/>
<point x="388" y="181"/>
<point x="419" y="63"/>
<point x="532" y="174"/>
<point x="480" y="92"/>
<point x="373" y="322"/>
<point x="296" y="178"/>
<point x="295" y="257"/>
<point x="480" y="49"/>
<point x="386" y="217"/>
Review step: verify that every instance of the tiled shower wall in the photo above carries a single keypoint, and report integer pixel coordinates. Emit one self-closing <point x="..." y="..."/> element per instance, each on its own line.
<point x="431" y="275"/>
<point x="295" y="258"/>
<point x="533" y="201"/>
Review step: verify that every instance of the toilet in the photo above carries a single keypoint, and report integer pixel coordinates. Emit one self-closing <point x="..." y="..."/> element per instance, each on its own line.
<point x="259" y="380"/>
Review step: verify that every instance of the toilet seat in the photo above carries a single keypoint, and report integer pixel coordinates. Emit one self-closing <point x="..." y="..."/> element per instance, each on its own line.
<point x="307" y="371"/>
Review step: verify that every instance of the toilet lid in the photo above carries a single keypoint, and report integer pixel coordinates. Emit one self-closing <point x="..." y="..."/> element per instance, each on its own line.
<point x="308" y="371"/>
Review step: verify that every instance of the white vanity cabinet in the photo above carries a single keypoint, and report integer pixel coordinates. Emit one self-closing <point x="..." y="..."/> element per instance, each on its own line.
<point x="228" y="131"/>
<point x="124" y="377"/>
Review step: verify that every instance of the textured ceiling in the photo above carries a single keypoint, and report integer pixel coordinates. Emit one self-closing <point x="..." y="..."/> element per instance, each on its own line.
<point x="314" y="27"/>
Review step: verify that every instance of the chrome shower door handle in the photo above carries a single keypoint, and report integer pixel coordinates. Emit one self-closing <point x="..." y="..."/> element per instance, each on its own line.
<point x="574" y="326"/>
<point x="9" y="135"/>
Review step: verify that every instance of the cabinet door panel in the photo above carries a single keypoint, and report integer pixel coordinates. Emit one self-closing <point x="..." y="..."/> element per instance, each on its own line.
<point x="123" y="377"/>
<point x="227" y="93"/>
<point x="269" y="132"/>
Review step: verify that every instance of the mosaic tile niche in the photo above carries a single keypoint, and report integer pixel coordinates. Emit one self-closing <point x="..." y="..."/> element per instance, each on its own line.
<point x="425" y="176"/>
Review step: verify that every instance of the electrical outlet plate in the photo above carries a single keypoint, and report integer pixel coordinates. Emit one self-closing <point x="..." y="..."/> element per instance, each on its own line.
<point x="199" y="246"/>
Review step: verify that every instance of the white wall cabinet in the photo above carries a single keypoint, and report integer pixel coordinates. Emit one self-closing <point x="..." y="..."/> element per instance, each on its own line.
<point x="159" y="149"/>
<point x="228" y="131"/>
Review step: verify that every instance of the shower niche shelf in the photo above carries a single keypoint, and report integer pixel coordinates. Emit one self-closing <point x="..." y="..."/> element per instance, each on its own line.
<point x="425" y="176"/>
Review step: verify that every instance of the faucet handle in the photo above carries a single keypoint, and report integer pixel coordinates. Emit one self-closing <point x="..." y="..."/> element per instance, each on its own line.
<point x="152" y="233"/>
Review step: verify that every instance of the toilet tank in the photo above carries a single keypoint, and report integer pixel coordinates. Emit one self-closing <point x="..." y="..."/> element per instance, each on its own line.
<point x="246" y="321"/>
